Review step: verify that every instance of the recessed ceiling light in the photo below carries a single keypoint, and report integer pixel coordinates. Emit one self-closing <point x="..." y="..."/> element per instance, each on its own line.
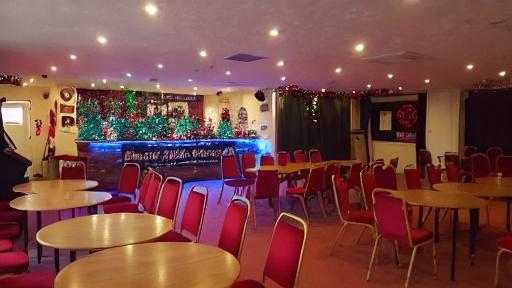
<point x="195" y="88"/>
<point x="359" y="47"/>
<point x="128" y="74"/>
<point x="400" y="88"/>
<point x="104" y="81"/>
<point x="53" y="68"/>
<point x="31" y="80"/>
<point x="122" y="86"/>
<point x="157" y="86"/>
<point x="228" y="89"/>
<point x="274" y="32"/>
<point x="338" y="70"/>
<point x="151" y="9"/>
<point x="470" y="66"/>
<point x="102" y="39"/>
<point x="353" y="91"/>
<point x="390" y="76"/>
<point x="280" y="63"/>
<point x="283" y="78"/>
<point x="228" y="72"/>
<point x="368" y="86"/>
<point x="25" y="84"/>
<point x="203" y="53"/>
<point x="323" y="90"/>
<point x="92" y="85"/>
<point x="72" y="56"/>
<point x="427" y="81"/>
<point x="195" y="93"/>
<point x="502" y="73"/>
<point x="190" y="80"/>
<point x="160" y="66"/>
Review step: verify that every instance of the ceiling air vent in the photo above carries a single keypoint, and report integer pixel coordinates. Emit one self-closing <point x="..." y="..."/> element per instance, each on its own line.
<point x="153" y="79"/>
<point x="242" y="57"/>
<point x="236" y="83"/>
<point x="401" y="57"/>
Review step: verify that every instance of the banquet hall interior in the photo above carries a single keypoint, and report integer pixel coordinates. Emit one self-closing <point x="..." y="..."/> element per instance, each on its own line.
<point x="305" y="143"/>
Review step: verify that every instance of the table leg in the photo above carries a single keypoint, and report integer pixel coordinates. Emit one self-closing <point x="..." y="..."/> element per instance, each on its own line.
<point x="72" y="213"/>
<point x="420" y="217"/>
<point x="56" y="260"/>
<point x="436" y="225"/>
<point x="508" y="214"/>
<point x="474" y="215"/>
<point x="39" y="247"/>
<point x="454" y="241"/>
<point x="72" y="256"/>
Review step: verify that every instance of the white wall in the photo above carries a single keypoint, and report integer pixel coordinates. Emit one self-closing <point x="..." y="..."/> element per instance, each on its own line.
<point x="442" y="124"/>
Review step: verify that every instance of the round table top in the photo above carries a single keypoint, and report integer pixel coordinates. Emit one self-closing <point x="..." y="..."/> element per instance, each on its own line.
<point x="59" y="201"/>
<point x="295" y="167"/>
<point x="103" y="231"/>
<point x="475" y="189"/>
<point x="438" y="199"/>
<point x="152" y="265"/>
<point x="54" y="185"/>
<point x="500" y="181"/>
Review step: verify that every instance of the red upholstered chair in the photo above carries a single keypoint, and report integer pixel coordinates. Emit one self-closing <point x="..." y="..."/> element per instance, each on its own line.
<point x="452" y="157"/>
<point x="493" y="153"/>
<point x="394" y="163"/>
<point x="232" y="177"/>
<point x="480" y="165"/>
<point x="315" y="156"/>
<point x="364" y="219"/>
<point x="385" y="177"/>
<point x="73" y="170"/>
<point x="267" y="160"/>
<point x="285" y="253"/>
<point x="452" y="173"/>
<point x="192" y="220"/>
<point x="504" y="166"/>
<point x="412" y="178"/>
<point x="313" y="188"/>
<point x="300" y="156"/>
<point x="283" y="158"/>
<point x="353" y="178"/>
<point x="368" y="184"/>
<point x="13" y="262"/>
<point x="375" y="163"/>
<point x="6" y="245"/>
<point x="434" y="174"/>
<point x="232" y="234"/>
<point x="424" y="158"/>
<point x="267" y="187"/>
<point x="10" y="231"/>
<point x="504" y="245"/>
<point x="248" y="160"/>
<point x="169" y="198"/>
<point x="331" y="170"/>
<point x="29" y="280"/>
<point x="128" y="183"/>
<point x="392" y="223"/>
<point x="470" y="150"/>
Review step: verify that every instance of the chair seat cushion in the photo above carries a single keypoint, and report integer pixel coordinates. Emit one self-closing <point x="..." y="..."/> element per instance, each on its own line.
<point x="239" y="182"/>
<point x="361" y="217"/>
<point x="248" y="284"/>
<point x="173" y="236"/>
<point x="5" y="245"/>
<point x="13" y="262"/>
<point x="117" y="199"/>
<point x="420" y="235"/>
<point x="10" y="231"/>
<point x="11" y="215"/>
<point x="505" y="242"/>
<point x="29" y="280"/>
<point x="4" y="205"/>
<point x="121" y="208"/>
<point x="296" y="190"/>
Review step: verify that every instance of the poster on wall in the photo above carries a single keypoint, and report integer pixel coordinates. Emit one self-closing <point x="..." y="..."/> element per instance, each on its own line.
<point x="395" y="121"/>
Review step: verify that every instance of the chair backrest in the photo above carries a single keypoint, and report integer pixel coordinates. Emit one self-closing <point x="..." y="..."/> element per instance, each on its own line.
<point x="143" y="189"/>
<point x="330" y="170"/>
<point x="368" y="184"/>
<point x="412" y="178"/>
<point x="341" y="197"/>
<point x="470" y="150"/>
<point x="480" y="165"/>
<point x="504" y="166"/>
<point x="229" y="167"/>
<point x="149" y="201"/>
<point x="193" y="215"/>
<point x="129" y="179"/>
<point x="232" y="234"/>
<point x="353" y="178"/>
<point x="300" y="156"/>
<point x="315" y="156"/>
<point x="385" y="177"/>
<point x="73" y="170"/>
<point x="286" y="249"/>
<point x="248" y="161"/>
<point x="375" y="163"/>
<point x="452" y="172"/>
<point x="434" y="175"/>
<point x="394" y="163"/>
<point x="424" y="158"/>
<point x="267" y="160"/>
<point x="493" y="153"/>
<point x="169" y="198"/>
<point x="391" y="216"/>
<point x="267" y="184"/>
<point x="283" y="158"/>
<point x="315" y="180"/>
<point x="452" y="157"/>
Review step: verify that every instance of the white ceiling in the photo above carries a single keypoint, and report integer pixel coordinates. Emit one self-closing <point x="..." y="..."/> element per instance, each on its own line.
<point x="316" y="37"/>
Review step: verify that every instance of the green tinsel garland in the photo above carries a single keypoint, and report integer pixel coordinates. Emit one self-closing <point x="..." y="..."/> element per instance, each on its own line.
<point x="129" y="98"/>
<point x="153" y="127"/>
<point x="92" y="128"/>
<point x="225" y="129"/>
<point x="185" y="125"/>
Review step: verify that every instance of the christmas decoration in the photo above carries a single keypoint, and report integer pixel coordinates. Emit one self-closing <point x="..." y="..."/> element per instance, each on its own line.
<point x="407" y="116"/>
<point x="92" y="128"/>
<point x="186" y="128"/>
<point x="129" y="98"/>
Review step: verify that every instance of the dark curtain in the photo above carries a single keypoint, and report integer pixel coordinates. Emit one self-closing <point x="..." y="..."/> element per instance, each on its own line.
<point x="422" y="123"/>
<point x="489" y="119"/>
<point x="365" y="112"/>
<point x="324" y="124"/>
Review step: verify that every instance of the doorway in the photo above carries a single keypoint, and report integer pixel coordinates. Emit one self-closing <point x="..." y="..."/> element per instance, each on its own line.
<point x="16" y="116"/>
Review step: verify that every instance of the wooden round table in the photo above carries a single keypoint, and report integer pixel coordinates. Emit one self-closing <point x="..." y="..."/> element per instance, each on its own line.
<point x="55" y="185"/>
<point x="153" y="265"/>
<point x="454" y="202"/>
<point x="500" y="181"/>
<point x="296" y="167"/>
<point x="102" y="231"/>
